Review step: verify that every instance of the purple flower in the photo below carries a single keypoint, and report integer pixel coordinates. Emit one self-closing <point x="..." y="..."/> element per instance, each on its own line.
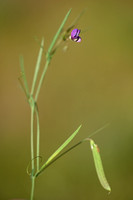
<point x="75" y="35"/>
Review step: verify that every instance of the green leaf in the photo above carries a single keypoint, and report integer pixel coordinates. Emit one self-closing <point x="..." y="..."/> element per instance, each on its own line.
<point x="37" y="67"/>
<point x="58" y="32"/>
<point x="52" y="157"/>
<point x="24" y="76"/>
<point x="99" y="166"/>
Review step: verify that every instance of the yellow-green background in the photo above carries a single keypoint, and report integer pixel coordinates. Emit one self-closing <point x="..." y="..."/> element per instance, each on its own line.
<point x="91" y="83"/>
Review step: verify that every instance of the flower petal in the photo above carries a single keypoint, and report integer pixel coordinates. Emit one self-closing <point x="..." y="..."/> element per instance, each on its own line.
<point x="75" y="33"/>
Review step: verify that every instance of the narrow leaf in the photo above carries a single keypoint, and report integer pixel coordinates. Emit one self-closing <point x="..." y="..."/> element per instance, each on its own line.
<point x="58" y="32"/>
<point x="24" y="76"/>
<point x="99" y="166"/>
<point x="63" y="145"/>
<point x="50" y="159"/>
<point x="37" y="67"/>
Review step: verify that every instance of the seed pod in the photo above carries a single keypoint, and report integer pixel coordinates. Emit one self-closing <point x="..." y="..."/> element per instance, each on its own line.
<point x="99" y="166"/>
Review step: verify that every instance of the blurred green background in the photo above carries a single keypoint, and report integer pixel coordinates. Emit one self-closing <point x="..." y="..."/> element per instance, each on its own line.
<point x="91" y="83"/>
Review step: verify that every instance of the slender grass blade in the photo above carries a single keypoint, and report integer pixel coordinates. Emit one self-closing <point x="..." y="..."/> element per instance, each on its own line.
<point x="37" y="67"/>
<point x="63" y="145"/>
<point x="52" y="157"/>
<point x="24" y="75"/>
<point x="58" y="32"/>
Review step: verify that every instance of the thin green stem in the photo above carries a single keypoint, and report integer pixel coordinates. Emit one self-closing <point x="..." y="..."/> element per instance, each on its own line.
<point x="98" y="130"/>
<point x="32" y="105"/>
<point x="32" y="137"/>
<point x="32" y="188"/>
<point x="38" y="138"/>
<point x="41" y="79"/>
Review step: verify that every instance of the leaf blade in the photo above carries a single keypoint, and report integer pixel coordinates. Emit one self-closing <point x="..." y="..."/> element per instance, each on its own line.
<point x="50" y="159"/>
<point x="58" y="32"/>
<point x="37" y="66"/>
<point x="24" y="76"/>
<point x="63" y="145"/>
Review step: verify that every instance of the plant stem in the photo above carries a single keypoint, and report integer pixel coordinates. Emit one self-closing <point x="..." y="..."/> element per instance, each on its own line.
<point x="38" y="137"/>
<point x="32" y="188"/>
<point x="32" y="105"/>
<point x="32" y="137"/>
<point x="41" y="79"/>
